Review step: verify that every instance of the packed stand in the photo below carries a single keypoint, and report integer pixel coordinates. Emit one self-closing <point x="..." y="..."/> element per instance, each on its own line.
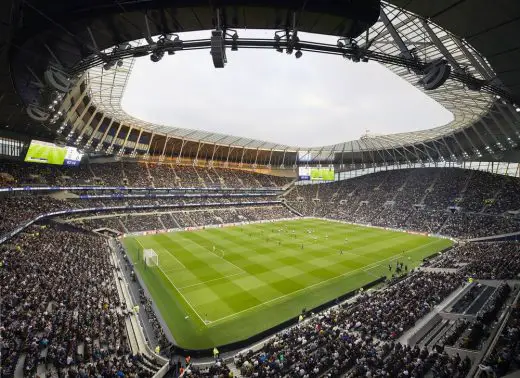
<point x="138" y="174"/>
<point x="504" y="357"/>
<point x="467" y="225"/>
<point x="60" y="307"/>
<point x="359" y="339"/>
<point x="452" y="201"/>
<point x="492" y="260"/>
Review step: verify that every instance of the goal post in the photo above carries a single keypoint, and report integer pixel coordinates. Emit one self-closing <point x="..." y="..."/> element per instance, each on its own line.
<point x="150" y="257"/>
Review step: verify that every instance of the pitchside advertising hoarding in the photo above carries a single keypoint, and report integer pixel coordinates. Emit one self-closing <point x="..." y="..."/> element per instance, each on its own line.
<point x="50" y="153"/>
<point x="316" y="174"/>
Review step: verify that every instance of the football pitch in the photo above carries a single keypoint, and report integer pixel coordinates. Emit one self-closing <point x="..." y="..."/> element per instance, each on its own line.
<point x="221" y="285"/>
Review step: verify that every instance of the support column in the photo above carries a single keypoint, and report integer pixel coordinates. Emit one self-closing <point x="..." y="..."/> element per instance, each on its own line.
<point x="110" y="148"/>
<point x="102" y="140"/>
<point x="89" y="142"/>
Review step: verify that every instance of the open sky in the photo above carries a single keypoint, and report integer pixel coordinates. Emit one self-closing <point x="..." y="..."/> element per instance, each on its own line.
<point x="316" y="100"/>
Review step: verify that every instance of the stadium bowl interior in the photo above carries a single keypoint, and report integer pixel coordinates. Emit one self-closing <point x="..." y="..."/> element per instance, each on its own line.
<point x="134" y="248"/>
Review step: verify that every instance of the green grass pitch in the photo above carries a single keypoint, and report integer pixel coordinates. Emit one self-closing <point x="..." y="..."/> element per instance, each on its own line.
<point x="259" y="275"/>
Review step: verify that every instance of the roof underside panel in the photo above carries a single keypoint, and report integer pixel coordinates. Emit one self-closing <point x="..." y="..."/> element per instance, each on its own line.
<point x="107" y="87"/>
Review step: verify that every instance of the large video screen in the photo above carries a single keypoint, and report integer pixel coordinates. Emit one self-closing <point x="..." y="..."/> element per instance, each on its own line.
<point x="316" y="174"/>
<point x="49" y="153"/>
<point x="304" y="173"/>
<point x="72" y="157"/>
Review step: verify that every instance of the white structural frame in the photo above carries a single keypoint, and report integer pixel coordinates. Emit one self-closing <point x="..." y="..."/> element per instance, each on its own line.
<point x="427" y="40"/>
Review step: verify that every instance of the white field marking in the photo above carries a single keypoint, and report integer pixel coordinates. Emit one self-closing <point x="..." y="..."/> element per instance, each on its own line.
<point x="174" y="270"/>
<point x="214" y="279"/>
<point x="229" y="262"/>
<point x="363" y="269"/>
<point x="367" y="270"/>
<point x="396" y="257"/>
<point x="183" y="297"/>
<point x="176" y="259"/>
<point x="303" y="289"/>
<point x="169" y="253"/>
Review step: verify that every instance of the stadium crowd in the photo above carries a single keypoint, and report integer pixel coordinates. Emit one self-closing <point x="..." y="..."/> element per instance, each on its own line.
<point x="61" y="309"/>
<point x="136" y="175"/>
<point x="491" y="260"/>
<point x="451" y="201"/>
<point x="504" y="356"/>
<point x="360" y="339"/>
<point x="61" y="313"/>
<point x="446" y="201"/>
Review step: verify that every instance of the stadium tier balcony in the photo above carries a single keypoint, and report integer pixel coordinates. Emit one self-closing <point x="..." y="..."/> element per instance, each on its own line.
<point x="134" y="174"/>
<point x="419" y="200"/>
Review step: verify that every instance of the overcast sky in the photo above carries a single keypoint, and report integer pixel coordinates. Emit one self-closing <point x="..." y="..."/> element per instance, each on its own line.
<point x="262" y="94"/>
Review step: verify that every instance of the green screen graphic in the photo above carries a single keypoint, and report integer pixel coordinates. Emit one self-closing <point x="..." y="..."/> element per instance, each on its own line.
<point x="322" y="174"/>
<point x="47" y="153"/>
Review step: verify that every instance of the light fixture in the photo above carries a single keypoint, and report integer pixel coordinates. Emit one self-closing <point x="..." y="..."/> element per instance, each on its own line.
<point x="298" y="54"/>
<point x="234" y="43"/>
<point x="156" y="56"/>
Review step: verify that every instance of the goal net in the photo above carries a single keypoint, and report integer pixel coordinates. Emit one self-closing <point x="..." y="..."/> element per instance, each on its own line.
<point x="150" y="257"/>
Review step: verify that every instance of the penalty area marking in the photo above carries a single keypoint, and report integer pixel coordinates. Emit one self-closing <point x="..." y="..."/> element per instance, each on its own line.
<point x="183" y="297"/>
<point x="213" y="280"/>
<point x="205" y="322"/>
<point x="242" y="271"/>
<point x="176" y="259"/>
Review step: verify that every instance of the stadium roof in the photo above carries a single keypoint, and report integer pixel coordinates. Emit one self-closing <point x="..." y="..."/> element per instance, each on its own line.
<point x="107" y="89"/>
<point x="72" y="32"/>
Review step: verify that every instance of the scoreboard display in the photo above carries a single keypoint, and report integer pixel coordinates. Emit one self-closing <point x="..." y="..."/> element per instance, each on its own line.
<point x="50" y="153"/>
<point x="316" y="174"/>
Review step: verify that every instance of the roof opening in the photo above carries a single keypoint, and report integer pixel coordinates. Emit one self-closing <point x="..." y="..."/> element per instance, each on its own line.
<point x="312" y="101"/>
